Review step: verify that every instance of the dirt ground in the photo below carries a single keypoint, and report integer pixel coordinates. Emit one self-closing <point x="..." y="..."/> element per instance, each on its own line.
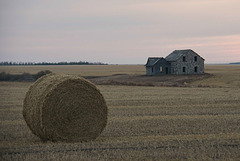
<point x="143" y="80"/>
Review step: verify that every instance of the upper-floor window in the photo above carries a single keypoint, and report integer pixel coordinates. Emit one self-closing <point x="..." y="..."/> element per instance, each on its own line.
<point x="195" y="58"/>
<point x="184" y="58"/>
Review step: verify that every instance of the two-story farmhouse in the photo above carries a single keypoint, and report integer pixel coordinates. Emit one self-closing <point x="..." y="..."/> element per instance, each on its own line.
<point x="178" y="62"/>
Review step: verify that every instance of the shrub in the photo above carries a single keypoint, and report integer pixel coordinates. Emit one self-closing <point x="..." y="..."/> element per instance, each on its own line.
<point x="22" y="77"/>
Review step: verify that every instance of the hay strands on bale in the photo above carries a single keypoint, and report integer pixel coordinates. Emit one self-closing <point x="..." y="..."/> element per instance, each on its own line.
<point x="65" y="108"/>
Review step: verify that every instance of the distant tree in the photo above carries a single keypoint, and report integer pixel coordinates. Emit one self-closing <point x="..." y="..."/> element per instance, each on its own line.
<point x="49" y="63"/>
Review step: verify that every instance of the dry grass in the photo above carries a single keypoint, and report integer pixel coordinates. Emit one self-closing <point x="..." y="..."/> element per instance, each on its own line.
<point x="145" y="123"/>
<point x="83" y="70"/>
<point x="224" y="75"/>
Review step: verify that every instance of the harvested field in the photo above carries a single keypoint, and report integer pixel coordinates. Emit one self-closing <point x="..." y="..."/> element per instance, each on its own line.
<point x="217" y="76"/>
<point x="144" y="123"/>
<point x="82" y="70"/>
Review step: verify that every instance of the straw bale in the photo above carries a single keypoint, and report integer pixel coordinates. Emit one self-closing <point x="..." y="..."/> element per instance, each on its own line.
<point x="65" y="108"/>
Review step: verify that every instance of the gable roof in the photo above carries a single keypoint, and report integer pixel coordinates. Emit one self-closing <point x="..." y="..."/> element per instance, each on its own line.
<point x="153" y="60"/>
<point x="176" y="54"/>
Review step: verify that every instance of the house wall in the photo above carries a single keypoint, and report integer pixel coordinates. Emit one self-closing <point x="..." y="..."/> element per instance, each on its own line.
<point x="156" y="69"/>
<point x="189" y="64"/>
<point x="149" y="71"/>
<point x="162" y="65"/>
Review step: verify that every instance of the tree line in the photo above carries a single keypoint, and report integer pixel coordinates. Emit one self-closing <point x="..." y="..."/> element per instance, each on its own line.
<point x="51" y="63"/>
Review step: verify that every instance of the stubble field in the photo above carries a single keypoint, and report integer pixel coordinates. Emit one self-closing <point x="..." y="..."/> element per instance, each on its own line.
<point x="198" y="122"/>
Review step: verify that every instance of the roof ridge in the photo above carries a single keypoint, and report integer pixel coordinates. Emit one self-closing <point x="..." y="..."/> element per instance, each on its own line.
<point x="183" y="50"/>
<point x="154" y="57"/>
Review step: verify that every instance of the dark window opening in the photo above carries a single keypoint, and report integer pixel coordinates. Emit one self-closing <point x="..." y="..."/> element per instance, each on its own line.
<point x="195" y="58"/>
<point x="195" y="69"/>
<point x="152" y="69"/>
<point x="184" y="58"/>
<point x="184" y="69"/>
<point x="166" y="70"/>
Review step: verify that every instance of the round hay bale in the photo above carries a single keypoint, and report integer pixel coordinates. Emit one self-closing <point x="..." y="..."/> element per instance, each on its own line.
<point x="65" y="108"/>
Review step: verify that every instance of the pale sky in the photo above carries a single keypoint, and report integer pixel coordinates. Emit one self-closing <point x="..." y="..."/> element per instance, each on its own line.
<point x="118" y="31"/>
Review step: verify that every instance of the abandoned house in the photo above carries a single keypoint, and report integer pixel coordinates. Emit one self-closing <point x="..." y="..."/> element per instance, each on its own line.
<point x="178" y="62"/>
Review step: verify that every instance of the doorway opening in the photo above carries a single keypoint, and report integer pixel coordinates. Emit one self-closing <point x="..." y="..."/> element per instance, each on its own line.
<point x="195" y="69"/>
<point x="184" y="69"/>
<point x="166" y="70"/>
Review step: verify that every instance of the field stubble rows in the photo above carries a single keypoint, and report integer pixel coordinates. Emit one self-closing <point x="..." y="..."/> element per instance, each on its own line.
<point x="144" y="123"/>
